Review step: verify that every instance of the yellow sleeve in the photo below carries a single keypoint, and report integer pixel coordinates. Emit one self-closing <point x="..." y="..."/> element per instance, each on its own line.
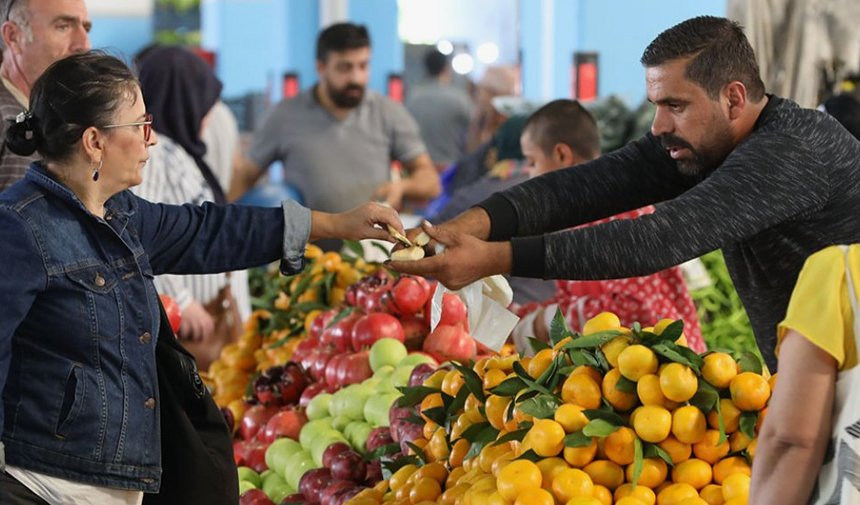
<point x="820" y="308"/>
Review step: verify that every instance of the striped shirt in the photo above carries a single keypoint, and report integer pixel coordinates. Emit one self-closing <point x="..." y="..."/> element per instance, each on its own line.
<point x="789" y="189"/>
<point x="171" y="176"/>
<point x="12" y="166"/>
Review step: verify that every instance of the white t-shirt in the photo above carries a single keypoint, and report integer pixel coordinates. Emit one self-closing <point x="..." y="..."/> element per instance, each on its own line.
<point x="57" y="491"/>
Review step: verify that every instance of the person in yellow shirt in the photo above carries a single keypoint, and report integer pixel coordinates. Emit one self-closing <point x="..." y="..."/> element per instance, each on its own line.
<point x="807" y="450"/>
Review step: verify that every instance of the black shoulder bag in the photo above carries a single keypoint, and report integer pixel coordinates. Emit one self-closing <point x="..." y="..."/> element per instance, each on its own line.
<point x="196" y="445"/>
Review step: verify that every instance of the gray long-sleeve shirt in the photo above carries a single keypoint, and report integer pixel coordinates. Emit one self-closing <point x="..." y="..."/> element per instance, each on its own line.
<point x="789" y="189"/>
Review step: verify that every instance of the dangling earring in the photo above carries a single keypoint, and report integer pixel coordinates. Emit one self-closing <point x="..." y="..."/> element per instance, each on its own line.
<point x="96" y="169"/>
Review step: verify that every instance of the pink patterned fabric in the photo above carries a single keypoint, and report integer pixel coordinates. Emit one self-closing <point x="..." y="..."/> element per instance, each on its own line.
<point x="645" y="300"/>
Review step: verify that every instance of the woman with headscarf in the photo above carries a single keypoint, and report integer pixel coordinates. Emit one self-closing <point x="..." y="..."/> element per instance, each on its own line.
<point x="180" y="90"/>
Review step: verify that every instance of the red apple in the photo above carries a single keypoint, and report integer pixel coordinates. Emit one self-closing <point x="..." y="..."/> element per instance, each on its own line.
<point x="241" y="448"/>
<point x="450" y="343"/>
<point x="420" y="373"/>
<point x="171" y="308"/>
<point x="319" y="324"/>
<point x="344" y="495"/>
<point x="255" y="497"/>
<point x="332" y="488"/>
<point x="409" y="432"/>
<point x="374" y="473"/>
<point x="356" y="368"/>
<point x="453" y="311"/>
<point x="304" y="352"/>
<point x="256" y="459"/>
<point x="332" y="451"/>
<point x="348" y="465"/>
<point x="287" y="423"/>
<point x="332" y="369"/>
<point x="408" y="295"/>
<point x="339" y="334"/>
<point x="379" y="437"/>
<point x="415" y="330"/>
<point x="295" y="372"/>
<point x="255" y="418"/>
<point x="297" y="498"/>
<point x="372" y="327"/>
<point x="321" y="359"/>
<point x="313" y="482"/>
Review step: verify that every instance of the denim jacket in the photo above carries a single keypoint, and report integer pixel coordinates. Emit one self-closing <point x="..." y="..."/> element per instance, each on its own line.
<point x="79" y="317"/>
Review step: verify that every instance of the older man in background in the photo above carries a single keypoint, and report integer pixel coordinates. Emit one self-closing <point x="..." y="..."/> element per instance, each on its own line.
<point x="36" y="33"/>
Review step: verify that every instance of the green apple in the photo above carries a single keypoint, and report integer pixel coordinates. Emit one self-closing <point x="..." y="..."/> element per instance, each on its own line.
<point x="371" y="383"/>
<point x="416" y="358"/>
<point x="384" y="372"/>
<point x="358" y="438"/>
<point x="249" y="475"/>
<point x="336" y="405"/>
<point x="340" y="422"/>
<point x="377" y="407"/>
<point x="279" y="452"/>
<point x="354" y="404"/>
<point x="272" y="480"/>
<point x="296" y="467"/>
<point x="384" y="387"/>
<point x="311" y="429"/>
<point x="386" y="352"/>
<point x="400" y="377"/>
<point x="318" y="407"/>
<point x="244" y="485"/>
<point x="279" y="492"/>
<point x="352" y="427"/>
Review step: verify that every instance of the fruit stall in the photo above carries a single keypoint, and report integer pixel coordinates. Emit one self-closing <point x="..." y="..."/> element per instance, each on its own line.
<point x="338" y="392"/>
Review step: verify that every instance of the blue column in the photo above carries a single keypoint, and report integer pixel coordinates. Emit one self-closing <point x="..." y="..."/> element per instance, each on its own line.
<point x="381" y="19"/>
<point x="300" y="20"/>
<point x="122" y="36"/>
<point x="548" y="39"/>
<point x="257" y="41"/>
<point x="245" y="36"/>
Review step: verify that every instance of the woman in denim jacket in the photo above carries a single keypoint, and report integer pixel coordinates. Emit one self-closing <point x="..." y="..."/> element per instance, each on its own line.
<point x="78" y="309"/>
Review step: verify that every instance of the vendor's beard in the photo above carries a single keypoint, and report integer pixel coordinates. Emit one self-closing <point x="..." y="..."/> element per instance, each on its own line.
<point x="344" y="97"/>
<point x="705" y="158"/>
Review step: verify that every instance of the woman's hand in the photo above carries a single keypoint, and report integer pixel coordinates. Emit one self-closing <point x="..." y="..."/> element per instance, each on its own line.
<point x="370" y="220"/>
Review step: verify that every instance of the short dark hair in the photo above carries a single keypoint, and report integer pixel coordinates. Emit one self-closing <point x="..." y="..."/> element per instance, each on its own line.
<point x="720" y="53"/>
<point x="341" y="37"/>
<point x="73" y="94"/>
<point x="435" y="62"/>
<point x="566" y="122"/>
<point x="845" y="108"/>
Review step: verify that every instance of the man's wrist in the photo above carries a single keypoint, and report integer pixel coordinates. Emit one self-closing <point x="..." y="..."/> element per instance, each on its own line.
<point x="474" y="222"/>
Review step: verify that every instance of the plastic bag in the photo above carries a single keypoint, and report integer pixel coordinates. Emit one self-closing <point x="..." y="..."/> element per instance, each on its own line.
<point x="486" y="301"/>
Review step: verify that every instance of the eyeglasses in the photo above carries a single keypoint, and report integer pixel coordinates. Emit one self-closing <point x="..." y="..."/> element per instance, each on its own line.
<point x="146" y="123"/>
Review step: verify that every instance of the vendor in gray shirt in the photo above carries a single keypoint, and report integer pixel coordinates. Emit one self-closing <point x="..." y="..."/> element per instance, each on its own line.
<point x="337" y="140"/>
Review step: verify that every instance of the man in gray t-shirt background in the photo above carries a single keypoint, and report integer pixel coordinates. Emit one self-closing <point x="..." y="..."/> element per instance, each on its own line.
<point x="443" y="111"/>
<point x="337" y="140"/>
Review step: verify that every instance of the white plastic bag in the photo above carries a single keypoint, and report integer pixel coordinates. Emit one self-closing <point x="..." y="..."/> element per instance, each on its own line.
<point x="486" y="301"/>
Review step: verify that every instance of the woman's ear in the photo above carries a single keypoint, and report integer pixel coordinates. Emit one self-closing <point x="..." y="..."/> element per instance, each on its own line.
<point x="93" y="143"/>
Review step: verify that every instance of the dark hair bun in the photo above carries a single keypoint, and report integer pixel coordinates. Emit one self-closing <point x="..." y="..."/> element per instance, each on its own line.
<point x="21" y="137"/>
